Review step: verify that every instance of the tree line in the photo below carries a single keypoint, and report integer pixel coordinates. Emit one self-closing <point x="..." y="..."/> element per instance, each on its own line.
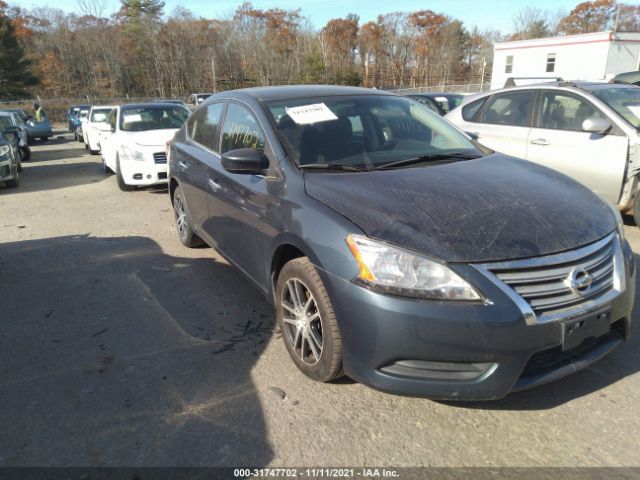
<point x="143" y="51"/>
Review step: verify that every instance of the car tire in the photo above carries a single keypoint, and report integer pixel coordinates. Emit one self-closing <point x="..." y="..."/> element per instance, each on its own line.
<point x="183" y="221"/>
<point x="94" y="152"/>
<point x="25" y="154"/>
<point x="636" y="209"/>
<point x="121" y="183"/>
<point x="44" y="139"/>
<point x="13" y="183"/>
<point x="315" y="345"/>
<point x="105" y="168"/>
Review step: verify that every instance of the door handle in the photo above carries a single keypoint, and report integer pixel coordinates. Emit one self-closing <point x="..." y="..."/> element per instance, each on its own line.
<point x="214" y="185"/>
<point x="182" y="164"/>
<point x="539" y="141"/>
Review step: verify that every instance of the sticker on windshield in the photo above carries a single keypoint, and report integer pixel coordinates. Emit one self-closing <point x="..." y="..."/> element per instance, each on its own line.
<point x="635" y="109"/>
<point x="306" y="114"/>
<point x="134" y="117"/>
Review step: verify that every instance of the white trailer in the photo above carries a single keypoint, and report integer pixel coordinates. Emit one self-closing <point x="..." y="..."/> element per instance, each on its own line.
<point x="591" y="57"/>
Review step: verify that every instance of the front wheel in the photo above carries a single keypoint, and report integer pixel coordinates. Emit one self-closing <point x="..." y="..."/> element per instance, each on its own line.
<point x="121" y="183"/>
<point x="25" y="153"/>
<point x="183" y="222"/>
<point x="13" y="183"/>
<point x="636" y="209"/>
<point x="307" y="321"/>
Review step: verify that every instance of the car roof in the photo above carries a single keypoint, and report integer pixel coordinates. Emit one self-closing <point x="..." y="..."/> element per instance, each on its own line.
<point x="298" y="91"/>
<point x="571" y="85"/>
<point x="435" y="94"/>
<point x="150" y="104"/>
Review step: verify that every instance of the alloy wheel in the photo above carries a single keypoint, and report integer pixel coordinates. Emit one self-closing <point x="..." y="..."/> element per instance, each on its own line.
<point x="181" y="216"/>
<point x="302" y="321"/>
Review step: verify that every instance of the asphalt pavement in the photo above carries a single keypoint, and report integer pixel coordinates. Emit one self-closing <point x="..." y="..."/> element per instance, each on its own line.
<point x="121" y="347"/>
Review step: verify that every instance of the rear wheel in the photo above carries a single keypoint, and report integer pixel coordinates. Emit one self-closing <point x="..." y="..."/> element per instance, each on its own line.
<point x="183" y="223"/>
<point x="307" y="321"/>
<point x="121" y="183"/>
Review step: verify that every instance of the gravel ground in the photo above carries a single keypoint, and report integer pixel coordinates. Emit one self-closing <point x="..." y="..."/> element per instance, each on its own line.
<point x="118" y="346"/>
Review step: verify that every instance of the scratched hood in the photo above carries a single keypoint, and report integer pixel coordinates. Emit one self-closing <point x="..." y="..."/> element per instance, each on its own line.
<point x="489" y="209"/>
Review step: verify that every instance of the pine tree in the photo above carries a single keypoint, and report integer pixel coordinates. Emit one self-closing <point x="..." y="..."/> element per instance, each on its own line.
<point x="15" y="68"/>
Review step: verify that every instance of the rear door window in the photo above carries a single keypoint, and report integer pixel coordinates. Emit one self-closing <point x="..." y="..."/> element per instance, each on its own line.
<point x="204" y="126"/>
<point x="470" y="111"/>
<point x="513" y="108"/>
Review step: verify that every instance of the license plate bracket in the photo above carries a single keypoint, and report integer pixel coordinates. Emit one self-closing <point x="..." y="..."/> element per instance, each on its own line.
<point x="576" y="330"/>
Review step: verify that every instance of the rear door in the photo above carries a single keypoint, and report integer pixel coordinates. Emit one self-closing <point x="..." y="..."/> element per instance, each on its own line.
<point x="505" y="122"/>
<point x="194" y="158"/>
<point x="557" y="141"/>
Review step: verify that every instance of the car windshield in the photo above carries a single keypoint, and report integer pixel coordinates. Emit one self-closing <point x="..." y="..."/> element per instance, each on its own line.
<point x="625" y="101"/>
<point x="100" y="115"/>
<point x="364" y="131"/>
<point x="152" y="117"/>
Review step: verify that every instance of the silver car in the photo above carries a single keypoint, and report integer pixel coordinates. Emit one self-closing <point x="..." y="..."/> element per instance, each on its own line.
<point x="588" y="131"/>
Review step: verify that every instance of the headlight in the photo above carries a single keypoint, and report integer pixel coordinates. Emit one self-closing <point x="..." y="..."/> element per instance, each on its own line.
<point x="131" y="154"/>
<point x="401" y="272"/>
<point x="4" y="150"/>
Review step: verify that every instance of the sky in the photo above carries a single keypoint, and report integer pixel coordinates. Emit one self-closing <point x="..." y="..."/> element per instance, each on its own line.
<point x="490" y="14"/>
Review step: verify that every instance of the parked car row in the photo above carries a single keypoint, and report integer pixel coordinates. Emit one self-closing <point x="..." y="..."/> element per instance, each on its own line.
<point x="17" y="129"/>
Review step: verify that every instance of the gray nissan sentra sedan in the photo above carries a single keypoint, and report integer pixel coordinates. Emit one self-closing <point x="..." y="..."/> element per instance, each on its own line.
<point x="395" y="249"/>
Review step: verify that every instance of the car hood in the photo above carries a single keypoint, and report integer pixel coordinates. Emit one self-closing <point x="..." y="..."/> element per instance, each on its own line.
<point x="489" y="209"/>
<point x="152" y="138"/>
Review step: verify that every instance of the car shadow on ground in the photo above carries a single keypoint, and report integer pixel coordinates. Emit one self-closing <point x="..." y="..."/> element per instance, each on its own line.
<point x="115" y="354"/>
<point x="623" y="362"/>
<point x="44" y="176"/>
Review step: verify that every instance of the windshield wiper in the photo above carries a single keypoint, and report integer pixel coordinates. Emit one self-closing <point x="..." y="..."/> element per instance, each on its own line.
<point x="332" y="166"/>
<point x="433" y="157"/>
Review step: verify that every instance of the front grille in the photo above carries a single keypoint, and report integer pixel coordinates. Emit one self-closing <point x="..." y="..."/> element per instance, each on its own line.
<point x="160" y="157"/>
<point x="546" y="283"/>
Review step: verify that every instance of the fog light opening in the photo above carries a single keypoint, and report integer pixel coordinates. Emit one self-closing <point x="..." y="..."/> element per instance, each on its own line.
<point x="444" y="371"/>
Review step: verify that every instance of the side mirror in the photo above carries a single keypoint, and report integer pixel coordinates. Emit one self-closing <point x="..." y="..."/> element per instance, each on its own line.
<point x="12" y="129"/>
<point x="596" y="125"/>
<point x="473" y="135"/>
<point x="244" y="160"/>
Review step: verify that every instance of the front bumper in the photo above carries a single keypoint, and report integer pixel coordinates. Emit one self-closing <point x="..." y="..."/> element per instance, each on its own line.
<point x="152" y="170"/>
<point x="432" y="349"/>
<point x="8" y="170"/>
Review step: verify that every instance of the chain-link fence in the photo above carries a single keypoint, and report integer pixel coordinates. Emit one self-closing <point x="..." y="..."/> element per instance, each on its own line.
<point x="462" y="88"/>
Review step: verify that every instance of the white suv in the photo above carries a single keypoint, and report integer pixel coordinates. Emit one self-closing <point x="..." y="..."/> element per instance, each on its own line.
<point x="134" y="144"/>
<point x="588" y="131"/>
